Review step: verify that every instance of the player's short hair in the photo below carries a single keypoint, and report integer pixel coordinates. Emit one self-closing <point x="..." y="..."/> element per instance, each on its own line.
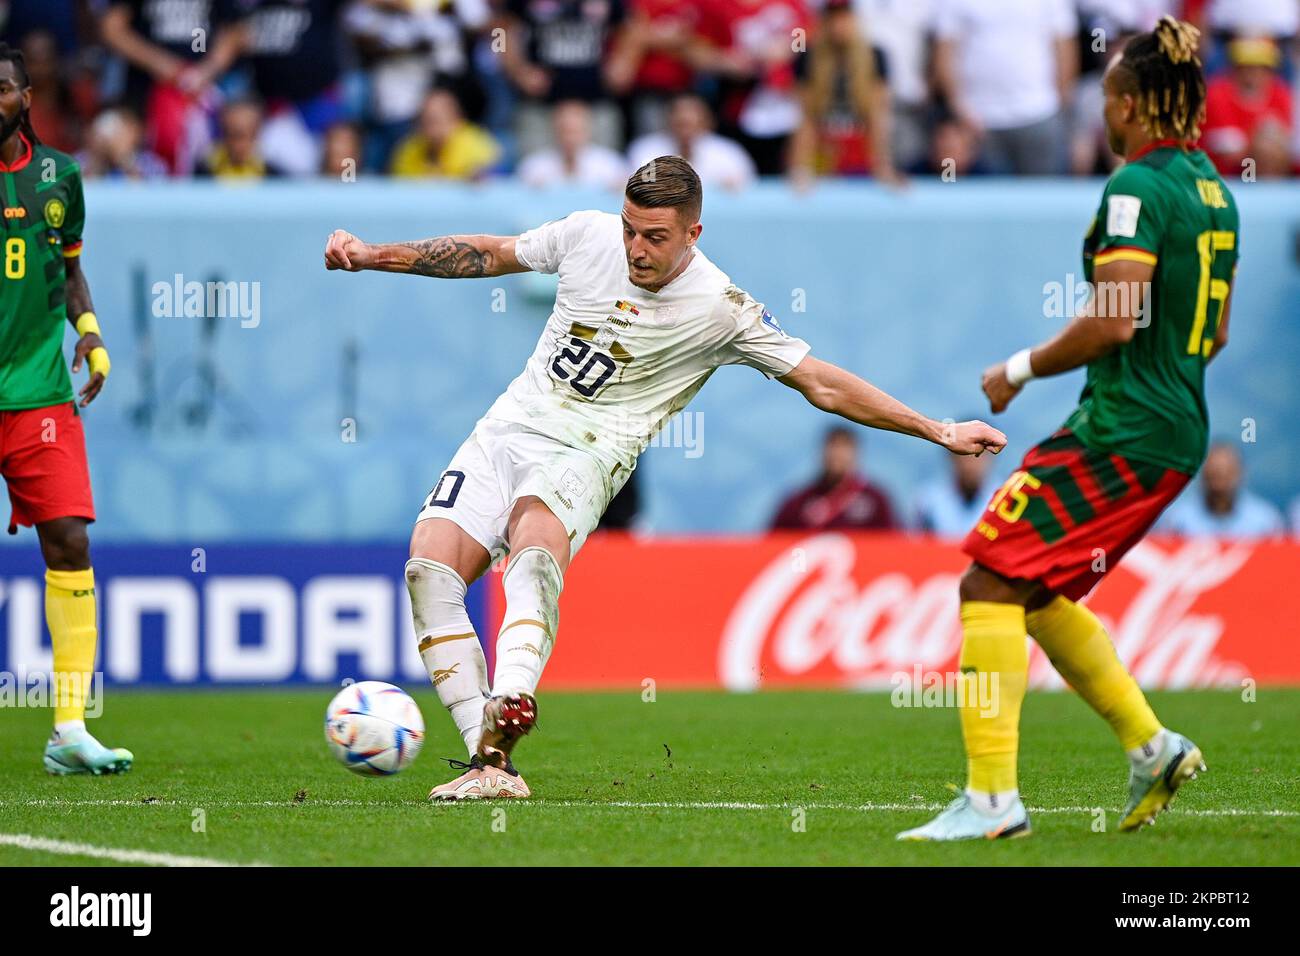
<point x="1163" y="72"/>
<point x="668" y="182"/>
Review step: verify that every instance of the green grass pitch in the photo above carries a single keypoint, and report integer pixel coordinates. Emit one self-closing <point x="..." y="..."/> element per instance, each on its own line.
<point x="795" y="778"/>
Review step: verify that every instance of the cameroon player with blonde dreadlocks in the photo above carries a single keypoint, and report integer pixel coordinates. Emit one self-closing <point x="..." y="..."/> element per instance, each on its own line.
<point x="1161" y="254"/>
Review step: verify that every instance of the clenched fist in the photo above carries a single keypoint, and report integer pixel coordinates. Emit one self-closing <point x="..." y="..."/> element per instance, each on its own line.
<point x="996" y="386"/>
<point x="972" y="438"/>
<point x="345" y="251"/>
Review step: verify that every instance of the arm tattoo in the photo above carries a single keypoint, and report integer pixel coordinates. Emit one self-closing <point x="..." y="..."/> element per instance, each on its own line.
<point x="448" y="257"/>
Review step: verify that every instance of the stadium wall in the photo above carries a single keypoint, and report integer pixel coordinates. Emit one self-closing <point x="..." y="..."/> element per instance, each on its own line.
<point x="783" y="610"/>
<point x="304" y="406"/>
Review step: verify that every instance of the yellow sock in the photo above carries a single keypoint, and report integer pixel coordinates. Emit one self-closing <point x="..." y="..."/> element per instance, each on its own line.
<point x="70" y="614"/>
<point x="994" y="654"/>
<point x="1081" y="651"/>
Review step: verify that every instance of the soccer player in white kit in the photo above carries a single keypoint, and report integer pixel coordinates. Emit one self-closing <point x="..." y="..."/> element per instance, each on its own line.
<point x="641" y="320"/>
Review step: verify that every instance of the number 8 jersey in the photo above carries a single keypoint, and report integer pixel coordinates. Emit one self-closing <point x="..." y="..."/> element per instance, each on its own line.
<point x="1145" y="399"/>
<point x="615" y="361"/>
<point x="43" y="217"/>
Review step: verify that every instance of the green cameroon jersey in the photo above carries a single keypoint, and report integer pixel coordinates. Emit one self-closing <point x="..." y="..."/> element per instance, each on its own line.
<point x="44" y="213"/>
<point x="1145" y="399"/>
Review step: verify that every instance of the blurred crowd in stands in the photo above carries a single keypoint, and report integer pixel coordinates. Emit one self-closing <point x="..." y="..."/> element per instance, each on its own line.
<point x="582" y="91"/>
<point x="841" y="497"/>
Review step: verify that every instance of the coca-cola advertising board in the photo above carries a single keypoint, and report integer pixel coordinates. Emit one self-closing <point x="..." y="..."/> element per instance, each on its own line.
<point x="870" y="610"/>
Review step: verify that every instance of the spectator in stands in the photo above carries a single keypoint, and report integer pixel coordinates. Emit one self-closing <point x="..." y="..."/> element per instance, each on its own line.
<point x="1221" y="506"/>
<point x="174" y="52"/>
<point x="1006" y="69"/>
<point x="716" y="160"/>
<point x="652" y="58"/>
<point x="950" y="507"/>
<point x="53" y="113"/>
<point x="840" y="498"/>
<point x="954" y="151"/>
<point x="237" y="155"/>
<point x="344" y="149"/>
<point x="66" y="20"/>
<point x="900" y="31"/>
<point x="753" y="45"/>
<point x="574" y="160"/>
<point x="114" y="151"/>
<point x="1225" y="20"/>
<point x="1090" y="152"/>
<point x="445" y="144"/>
<point x="1249" y="112"/>
<point x="295" y="63"/>
<point x="406" y="50"/>
<point x="845" y="127"/>
<point x="555" y="50"/>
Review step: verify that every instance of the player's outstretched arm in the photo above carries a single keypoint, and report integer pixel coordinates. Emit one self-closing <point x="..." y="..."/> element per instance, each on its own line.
<point x="443" y="257"/>
<point x="840" y="392"/>
<point x="1111" y="317"/>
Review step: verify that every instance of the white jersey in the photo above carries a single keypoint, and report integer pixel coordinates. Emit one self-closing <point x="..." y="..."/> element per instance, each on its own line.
<point x="615" y="361"/>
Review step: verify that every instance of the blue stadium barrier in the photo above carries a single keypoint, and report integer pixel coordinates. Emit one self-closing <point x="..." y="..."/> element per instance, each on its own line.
<point x="231" y="614"/>
<point x="321" y="407"/>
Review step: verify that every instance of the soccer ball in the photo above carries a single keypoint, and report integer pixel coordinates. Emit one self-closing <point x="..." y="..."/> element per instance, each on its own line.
<point x="374" y="728"/>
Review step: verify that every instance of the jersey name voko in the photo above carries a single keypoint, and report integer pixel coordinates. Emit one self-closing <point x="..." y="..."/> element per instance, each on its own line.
<point x="615" y="361"/>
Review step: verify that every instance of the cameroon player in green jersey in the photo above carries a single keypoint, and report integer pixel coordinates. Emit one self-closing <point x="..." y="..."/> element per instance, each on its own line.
<point x="1162" y="255"/>
<point x="42" y="445"/>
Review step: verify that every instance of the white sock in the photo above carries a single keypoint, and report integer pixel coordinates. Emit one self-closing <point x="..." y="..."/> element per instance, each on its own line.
<point x="532" y="583"/>
<point x="992" y="804"/>
<point x="69" y="726"/>
<point x="1149" y="751"/>
<point x="448" y="645"/>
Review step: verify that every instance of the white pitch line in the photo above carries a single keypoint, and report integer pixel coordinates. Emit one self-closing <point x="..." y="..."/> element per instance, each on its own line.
<point x="25" y="841"/>
<point x="613" y="804"/>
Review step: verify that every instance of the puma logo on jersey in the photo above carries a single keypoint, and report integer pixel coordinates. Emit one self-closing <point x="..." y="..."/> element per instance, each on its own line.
<point x="442" y="674"/>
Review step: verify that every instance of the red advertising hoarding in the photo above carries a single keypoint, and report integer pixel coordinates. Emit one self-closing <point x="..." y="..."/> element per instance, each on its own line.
<point x="856" y="610"/>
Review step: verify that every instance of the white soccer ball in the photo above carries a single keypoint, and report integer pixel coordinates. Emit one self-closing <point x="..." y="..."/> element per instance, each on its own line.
<point x="373" y="728"/>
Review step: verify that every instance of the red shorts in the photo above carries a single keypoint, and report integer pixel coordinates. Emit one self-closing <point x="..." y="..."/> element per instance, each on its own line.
<point x="1068" y="515"/>
<point x="43" y="462"/>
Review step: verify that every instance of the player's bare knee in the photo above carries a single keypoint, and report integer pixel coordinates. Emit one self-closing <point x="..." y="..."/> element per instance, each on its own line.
<point x="980" y="584"/>
<point x="444" y="543"/>
<point x="65" y="546"/>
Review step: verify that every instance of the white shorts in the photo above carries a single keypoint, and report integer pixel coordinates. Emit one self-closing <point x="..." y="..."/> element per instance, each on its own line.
<point x="502" y="462"/>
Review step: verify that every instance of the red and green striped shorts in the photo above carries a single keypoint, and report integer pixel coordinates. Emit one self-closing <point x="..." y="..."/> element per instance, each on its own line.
<point x="1069" y="514"/>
